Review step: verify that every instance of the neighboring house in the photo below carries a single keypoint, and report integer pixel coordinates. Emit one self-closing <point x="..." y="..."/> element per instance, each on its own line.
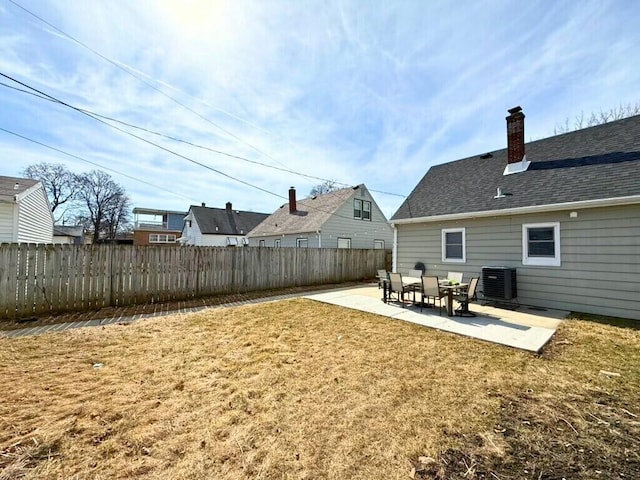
<point x="218" y="227"/>
<point x="345" y="218"/>
<point x="68" y="235"/>
<point x="25" y="216"/>
<point x="566" y="216"/>
<point x="156" y="227"/>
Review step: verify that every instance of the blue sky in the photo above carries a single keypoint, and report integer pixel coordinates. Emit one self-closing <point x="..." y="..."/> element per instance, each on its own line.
<point x="366" y="92"/>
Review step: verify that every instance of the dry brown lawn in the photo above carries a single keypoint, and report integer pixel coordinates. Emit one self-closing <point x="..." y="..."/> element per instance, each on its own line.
<point x="302" y="390"/>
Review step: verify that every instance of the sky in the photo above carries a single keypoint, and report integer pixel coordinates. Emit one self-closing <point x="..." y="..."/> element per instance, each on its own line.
<point x="262" y="95"/>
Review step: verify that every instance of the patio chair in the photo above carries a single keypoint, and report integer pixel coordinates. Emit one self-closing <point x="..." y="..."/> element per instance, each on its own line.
<point x="465" y="297"/>
<point x="431" y="289"/>
<point x="396" y="286"/>
<point x="415" y="273"/>
<point x="455" y="276"/>
<point x="382" y="277"/>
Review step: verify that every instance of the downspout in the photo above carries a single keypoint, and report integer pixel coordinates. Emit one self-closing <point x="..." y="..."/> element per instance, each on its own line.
<point x="319" y="239"/>
<point x="394" y="253"/>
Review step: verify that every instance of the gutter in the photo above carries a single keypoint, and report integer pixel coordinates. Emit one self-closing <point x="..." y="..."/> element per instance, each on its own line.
<point x="605" y="202"/>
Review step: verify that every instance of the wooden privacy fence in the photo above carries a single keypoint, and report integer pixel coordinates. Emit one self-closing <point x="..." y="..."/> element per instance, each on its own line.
<point x="38" y="279"/>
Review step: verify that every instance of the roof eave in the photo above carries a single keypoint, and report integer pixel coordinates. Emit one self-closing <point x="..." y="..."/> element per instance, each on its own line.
<point x="603" y="202"/>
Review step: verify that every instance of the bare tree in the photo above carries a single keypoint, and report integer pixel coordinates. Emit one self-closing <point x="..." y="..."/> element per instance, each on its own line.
<point x="580" y="122"/>
<point x="59" y="183"/>
<point x="324" y="187"/>
<point x="105" y="202"/>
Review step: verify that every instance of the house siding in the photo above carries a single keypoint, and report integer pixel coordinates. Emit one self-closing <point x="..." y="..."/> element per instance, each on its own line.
<point x="288" y="240"/>
<point x="35" y="223"/>
<point x="600" y="257"/>
<point x="7" y="227"/>
<point x="361" y="232"/>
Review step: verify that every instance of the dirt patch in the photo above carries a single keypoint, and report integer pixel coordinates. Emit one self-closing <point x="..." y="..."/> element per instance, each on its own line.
<point x="581" y="437"/>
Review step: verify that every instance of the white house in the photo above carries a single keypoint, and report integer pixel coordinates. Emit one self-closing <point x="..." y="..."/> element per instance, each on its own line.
<point x="25" y="216"/>
<point x="218" y="227"/>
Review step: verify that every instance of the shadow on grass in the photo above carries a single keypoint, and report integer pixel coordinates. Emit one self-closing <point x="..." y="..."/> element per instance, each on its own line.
<point x="612" y="321"/>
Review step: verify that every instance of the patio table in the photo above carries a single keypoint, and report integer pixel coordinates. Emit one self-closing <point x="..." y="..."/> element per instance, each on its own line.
<point x="450" y="289"/>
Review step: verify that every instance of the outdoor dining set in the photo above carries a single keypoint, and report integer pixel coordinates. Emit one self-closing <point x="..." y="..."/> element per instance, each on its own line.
<point x="430" y="289"/>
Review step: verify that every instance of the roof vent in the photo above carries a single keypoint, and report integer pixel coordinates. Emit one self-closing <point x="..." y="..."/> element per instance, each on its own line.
<point x="486" y="155"/>
<point x="501" y="193"/>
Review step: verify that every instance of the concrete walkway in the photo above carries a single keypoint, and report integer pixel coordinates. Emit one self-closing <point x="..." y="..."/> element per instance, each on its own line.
<point x="123" y="318"/>
<point x="527" y="331"/>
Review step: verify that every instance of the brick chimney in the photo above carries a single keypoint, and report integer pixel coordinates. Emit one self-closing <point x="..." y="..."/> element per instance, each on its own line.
<point x="292" y="200"/>
<point x="515" y="135"/>
<point x="228" y="207"/>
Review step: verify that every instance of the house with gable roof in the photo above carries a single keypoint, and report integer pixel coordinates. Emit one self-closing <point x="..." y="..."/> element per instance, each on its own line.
<point x="345" y="218"/>
<point x="563" y="211"/>
<point x="218" y="227"/>
<point x="25" y="215"/>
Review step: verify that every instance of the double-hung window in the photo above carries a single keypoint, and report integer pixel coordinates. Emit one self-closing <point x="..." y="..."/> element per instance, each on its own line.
<point x="361" y="209"/>
<point x="453" y="245"/>
<point x="357" y="208"/>
<point x="541" y="244"/>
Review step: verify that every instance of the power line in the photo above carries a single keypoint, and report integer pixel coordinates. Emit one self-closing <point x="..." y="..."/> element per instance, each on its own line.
<point x="61" y="102"/>
<point x="129" y="72"/>
<point x="186" y="142"/>
<point x="90" y="162"/>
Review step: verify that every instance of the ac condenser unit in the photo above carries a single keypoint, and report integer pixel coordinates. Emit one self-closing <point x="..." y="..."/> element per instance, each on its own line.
<point x="499" y="283"/>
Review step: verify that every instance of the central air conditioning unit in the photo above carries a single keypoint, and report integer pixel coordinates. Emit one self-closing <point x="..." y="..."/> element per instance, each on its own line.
<point x="499" y="283"/>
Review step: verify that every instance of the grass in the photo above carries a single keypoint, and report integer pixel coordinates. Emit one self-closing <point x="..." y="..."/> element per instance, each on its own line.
<point x="301" y="390"/>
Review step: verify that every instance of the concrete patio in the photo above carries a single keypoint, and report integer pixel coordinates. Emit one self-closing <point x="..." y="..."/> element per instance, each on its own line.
<point x="524" y="328"/>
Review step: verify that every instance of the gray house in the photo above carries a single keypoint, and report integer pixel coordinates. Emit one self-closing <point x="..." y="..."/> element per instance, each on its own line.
<point x="25" y="216"/>
<point x="345" y="218"/>
<point x="563" y="211"/>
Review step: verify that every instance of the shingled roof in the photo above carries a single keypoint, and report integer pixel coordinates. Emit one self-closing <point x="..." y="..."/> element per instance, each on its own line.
<point x="12" y="186"/>
<point x="222" y="221"/>
<point x="311" y="214"/>
<point x="596" y="163"/>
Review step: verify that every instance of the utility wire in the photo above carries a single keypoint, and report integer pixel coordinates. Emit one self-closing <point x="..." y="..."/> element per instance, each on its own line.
<point x="61" y="102"/>
<point x="186" y="142"/>
<point x="92" y="163"/>
<point x="129" y="72"/>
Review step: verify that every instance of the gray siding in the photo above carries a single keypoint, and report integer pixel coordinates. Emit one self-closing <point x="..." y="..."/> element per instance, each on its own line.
<point x="361" y="232"/>
<point x="288" y="240"/>
<point x="600" y="257"/>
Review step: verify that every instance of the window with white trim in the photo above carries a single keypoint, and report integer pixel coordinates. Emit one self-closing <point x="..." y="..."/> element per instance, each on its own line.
<point x="361" y="209"/>
<point x="302" y="242"/>
<point x="276" y="243"/>
<point x="232" y="241"/>
<point x="378" y="244"/>
<point x="357" y="208"/>
<point x="541" y="244"/>
<point x="261" y="243"/>
<point x="162" y="238"/>
<point x="453" y="245"/>
<point x="366" y="210"/>
<point x="344" y="243"/>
